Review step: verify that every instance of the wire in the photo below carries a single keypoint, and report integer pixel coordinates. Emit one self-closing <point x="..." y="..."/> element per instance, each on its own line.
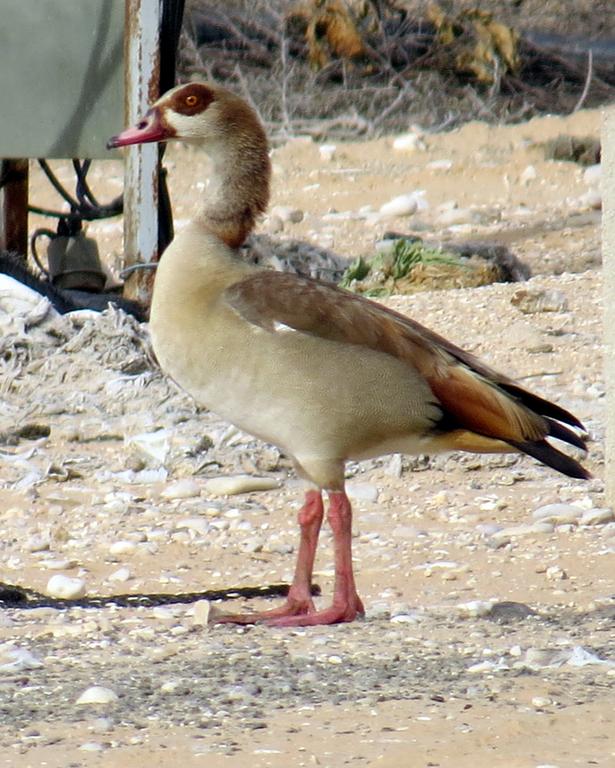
<point x="86" y="207"/>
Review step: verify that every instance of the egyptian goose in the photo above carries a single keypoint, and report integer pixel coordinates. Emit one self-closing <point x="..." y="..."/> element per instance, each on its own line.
<point x="323" y="374"/>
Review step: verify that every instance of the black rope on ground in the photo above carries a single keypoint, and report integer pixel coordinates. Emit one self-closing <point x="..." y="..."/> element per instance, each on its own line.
<point x="12" y="596"/>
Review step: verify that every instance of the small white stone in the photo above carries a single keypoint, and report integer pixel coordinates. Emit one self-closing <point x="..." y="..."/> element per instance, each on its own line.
<point x="440" y="165"/>
<point x="402" y="205"/>
<point x="529" y="174"/>
<point x="122" y="547"/>
<point x="456" y="216"/>
<point x="66" y="587"/>
<point x="58" y="565"/>
<point x="154" y="445"/>
<point x="121" y="575"/>
<point x="556" y="573"/>
<point x="273" y="225"/>
<point x="597" y="516"/>
<point x="362" y="491"/>
<point x="287" y="213"/>
<point x="91" y="746"/>
<point x="327" y="151"/>
<point x="234" y="484"/>
<point x="197" y="524"/>
<point x="169" y="686"/>
<point x="14" y="659"/>
<point x="408" y="142"/>
<point x="475" y="608"/>
<point x="592" y="175"/>
<point x="201" y="613"/>
<point x="592" y="199"/>
<point x="97" y="694"/>
<point x="186" y="488"/>
<point x="532" y="300"/>
<point x="37" y="543"/>
<point x="505" y="534"/>
<point x="541" y="701"/>
<point x="101" y="725"/>
<point x="557" y="513"/>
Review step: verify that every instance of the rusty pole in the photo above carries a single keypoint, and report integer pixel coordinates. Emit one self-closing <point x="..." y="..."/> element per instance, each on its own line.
<point x="14" y="206"/>
<point x="608" y="261"/>
<point x="142" y="78"/>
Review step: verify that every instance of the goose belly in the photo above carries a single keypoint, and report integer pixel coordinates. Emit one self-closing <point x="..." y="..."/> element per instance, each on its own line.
<point x="308" y="396"/>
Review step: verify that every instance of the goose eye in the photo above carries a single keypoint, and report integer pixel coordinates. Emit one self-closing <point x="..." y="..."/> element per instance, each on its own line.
<point x="191" y="100"/>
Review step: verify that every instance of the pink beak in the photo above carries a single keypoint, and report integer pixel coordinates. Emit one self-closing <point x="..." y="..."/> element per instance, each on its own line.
<point x="147" y="130"/>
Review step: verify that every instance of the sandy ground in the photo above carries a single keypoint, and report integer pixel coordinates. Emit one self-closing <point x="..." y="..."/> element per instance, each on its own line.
<point x="488" y="640"/>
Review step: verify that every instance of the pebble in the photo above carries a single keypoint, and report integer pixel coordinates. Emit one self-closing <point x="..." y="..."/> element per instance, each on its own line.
<point x="327" y="152"/>
<point x="408" y="142"/>
<point x="402" y="205"/>
<point x="201" y="613"/>
<point x="154" y="445"/>
<point x="505" y="534"/>
<point x="66" y="587"/>
<point x="58" y="565"/>
<point x="592" y="175"/>
<point x="273" y="225"/>
<point x="121" y="575"/>
<point x="287" y="213"/>
<point x="541" y="701"/>
<point x="14" y="659"/>
<point x="97" y="694"/>
<point x="597" y="516"/>
<point x="234" y="484"/>
<point x="528" y="174"/>
<point x="558" y="513"/>
<point x="440" y="165"/>
<point x="196" y="524"/>
<point x="591" y="199"/>
<point x="186" y="488"/>
<point x="556" y="573"/>
<point x="170" y="686"/>
<point x="474" y="609"/>
<point x="92" y="746"/>
<point x="533" y="300"/>
<point x="122" y="547"/>
<point x="454" y="216"/>
<point x="37" y="543"/>
<point x="101" y="725"/>
<point x="362" y="491"/>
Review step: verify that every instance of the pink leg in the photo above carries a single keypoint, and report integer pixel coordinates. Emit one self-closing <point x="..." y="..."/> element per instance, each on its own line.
<point x="299" y="600"/>
<point x="346" y="604"/>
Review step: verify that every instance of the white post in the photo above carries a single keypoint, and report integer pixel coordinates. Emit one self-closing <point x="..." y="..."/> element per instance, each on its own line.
<point x="142" y="57"/>
<point x="608" y="269"/>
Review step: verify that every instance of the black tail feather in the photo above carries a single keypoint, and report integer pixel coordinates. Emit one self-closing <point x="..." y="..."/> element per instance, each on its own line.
<point x="543" y="407"/>
<point x="550" y="456"/>
<point x="561" y="432"/>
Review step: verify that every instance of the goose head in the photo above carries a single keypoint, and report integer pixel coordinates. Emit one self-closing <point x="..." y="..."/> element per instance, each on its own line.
<point x="198" y="113"/>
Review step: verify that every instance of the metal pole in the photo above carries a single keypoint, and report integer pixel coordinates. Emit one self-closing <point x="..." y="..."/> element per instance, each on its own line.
<point x="142" y="79"/>
<point x="608" y="269"/>
<point x="14" y="206"/>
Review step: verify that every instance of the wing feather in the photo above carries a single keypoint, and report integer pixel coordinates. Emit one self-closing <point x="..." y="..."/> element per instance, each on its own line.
<point x="473" y="396"/>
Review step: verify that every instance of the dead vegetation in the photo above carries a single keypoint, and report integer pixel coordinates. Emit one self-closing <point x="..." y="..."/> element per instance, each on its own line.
<point x="366" y="67"/>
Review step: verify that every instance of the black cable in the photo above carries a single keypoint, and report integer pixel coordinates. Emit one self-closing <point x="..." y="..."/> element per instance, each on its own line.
<point x="12" y="596"/>
<point x="84" y="193"/>
<point x="56" y="184"/>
